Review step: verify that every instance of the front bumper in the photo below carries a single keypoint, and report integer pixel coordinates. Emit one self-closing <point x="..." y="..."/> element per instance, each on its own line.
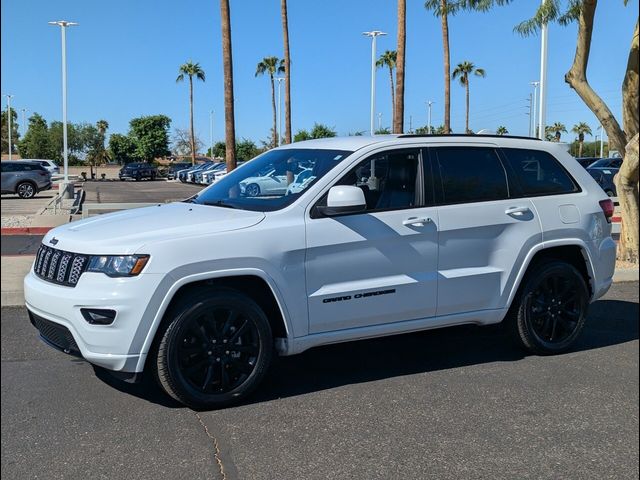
<point x="115" y="346"/>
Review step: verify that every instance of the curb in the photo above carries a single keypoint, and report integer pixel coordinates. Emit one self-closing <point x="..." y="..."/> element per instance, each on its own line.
<point x="25" y="230"/>
<point x="626" y="275"/>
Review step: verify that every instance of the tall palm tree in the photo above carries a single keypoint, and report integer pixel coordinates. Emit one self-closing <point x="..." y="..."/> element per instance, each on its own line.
<point x="227" y="62"/>
<point x="557" y="129"/>
<point x="442" y="9"/>
<point x="191" y="70"/>
<point x="581" y="129"/>
<point x="287" y="71"/>
<point x="388" y="59"/>
<point x="271" y="66"/>
<point x="462" y="71"/>
<point x="502" y="130"/>
<point x="398" y="112"/>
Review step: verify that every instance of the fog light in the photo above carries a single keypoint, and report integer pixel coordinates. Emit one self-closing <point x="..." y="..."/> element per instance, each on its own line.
<point x="98" y="316"/>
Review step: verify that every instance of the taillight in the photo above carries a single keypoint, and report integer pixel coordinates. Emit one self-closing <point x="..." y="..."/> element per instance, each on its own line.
<point x="607" y="208"/>
<point x="44" y="174"/>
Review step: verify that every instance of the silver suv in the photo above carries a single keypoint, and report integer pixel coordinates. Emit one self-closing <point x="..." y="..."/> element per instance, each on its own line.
<point x="24" y="178"/>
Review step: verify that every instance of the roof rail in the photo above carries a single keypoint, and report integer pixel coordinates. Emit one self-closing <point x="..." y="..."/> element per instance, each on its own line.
<point x="475" y="135"/>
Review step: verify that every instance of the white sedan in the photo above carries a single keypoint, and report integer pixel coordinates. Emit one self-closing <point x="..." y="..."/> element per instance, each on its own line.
<point x="267" y="184"/>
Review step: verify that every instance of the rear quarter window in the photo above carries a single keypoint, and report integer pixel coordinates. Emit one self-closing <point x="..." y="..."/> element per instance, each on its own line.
<point x="539" y="173"/>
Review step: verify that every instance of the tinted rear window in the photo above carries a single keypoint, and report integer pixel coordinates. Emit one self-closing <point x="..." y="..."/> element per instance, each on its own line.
<point x="470" y="174"/>
<point x="539" y="173"/>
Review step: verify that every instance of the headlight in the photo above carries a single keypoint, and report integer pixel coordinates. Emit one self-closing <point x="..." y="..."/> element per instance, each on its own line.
<point x="118" y="265"/>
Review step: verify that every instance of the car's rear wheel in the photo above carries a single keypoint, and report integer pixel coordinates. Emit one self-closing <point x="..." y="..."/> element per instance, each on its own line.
<point x="26" y="190"/>
<point x="551" y="308"/>
<point x="252" y="190"/>
<point x="215" y="350"/>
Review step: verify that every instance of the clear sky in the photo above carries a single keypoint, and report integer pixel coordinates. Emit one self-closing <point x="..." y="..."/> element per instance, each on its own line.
<point x="124" y="57"/>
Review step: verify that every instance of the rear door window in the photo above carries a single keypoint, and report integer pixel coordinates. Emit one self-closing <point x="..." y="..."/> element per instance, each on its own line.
<point x="539" y="173"/>
<point x="469" y="174"/>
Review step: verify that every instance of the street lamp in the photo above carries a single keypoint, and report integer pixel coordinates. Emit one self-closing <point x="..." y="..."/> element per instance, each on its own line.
<point x="279" y="132"/>
<point x="373" y="34"/>
<point x="601" y="141"/>
<point x="379" y="121"/>
<point x="24" y="121"/>
<point x="9" y="97"/>
<point x="543" y="77"/>
<point x="535" y="108"/>
<point x="63" y="24"/>
<point x="429" y="103"/>
<point x="211" y="132"/>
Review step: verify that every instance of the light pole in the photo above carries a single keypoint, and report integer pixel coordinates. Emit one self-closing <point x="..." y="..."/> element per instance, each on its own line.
<point x="373" y="34"/>
<point x="65" y="191"/>
<point x="429" y="103"/>
<point x="543" y="77"/>
<point x="279" y="132"/>
<point x="601" y="141"/>
<point x="24" y="121"/>
<point x="379" y="121"/>
<point x="535" y="108"/>
<point x="531" y="117"/>
<point x="9" y="97"/>
<point x="211" y="133"/>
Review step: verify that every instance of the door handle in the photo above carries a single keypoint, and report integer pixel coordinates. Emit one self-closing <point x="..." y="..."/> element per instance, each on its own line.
<point x="414" y="221"/>
<point x="518" y="211"/>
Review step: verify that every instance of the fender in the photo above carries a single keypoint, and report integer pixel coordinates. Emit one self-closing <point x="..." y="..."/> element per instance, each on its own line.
<point x="282" y="345"/>
<point x="577" y="242"/>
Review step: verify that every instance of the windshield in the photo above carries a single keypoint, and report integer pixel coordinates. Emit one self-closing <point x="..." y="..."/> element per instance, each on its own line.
<point x="263" y="184"/>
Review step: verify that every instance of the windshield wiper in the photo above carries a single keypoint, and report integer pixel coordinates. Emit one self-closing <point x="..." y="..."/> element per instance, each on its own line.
<point x="219" y="203"/>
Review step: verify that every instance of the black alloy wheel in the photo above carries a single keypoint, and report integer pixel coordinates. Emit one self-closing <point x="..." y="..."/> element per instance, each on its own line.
<point x="26" y="190"/>
<point x="551" y="310"/>
<point x="216" y="349"/>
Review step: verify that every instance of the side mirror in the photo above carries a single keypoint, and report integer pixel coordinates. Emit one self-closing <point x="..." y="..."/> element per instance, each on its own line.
<point x="344" y="199"/>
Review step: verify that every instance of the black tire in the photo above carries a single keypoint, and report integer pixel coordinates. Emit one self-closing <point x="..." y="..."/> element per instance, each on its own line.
<point x="252" y="190"/>
<point x="153" y="177"/>
<point x="122" y="179"/>
<point x="215" y="349"/>
<point x="26" y="190"/>
<point x="138" y="177"/>
<point x="550" y="309"/>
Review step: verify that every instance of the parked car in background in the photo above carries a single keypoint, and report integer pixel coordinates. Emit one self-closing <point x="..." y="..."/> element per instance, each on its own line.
<point x="586" y="161"/>
<point x="172" y="171"/>
<point x="604" y="176"/>
<point x="51" y="166"/>
<point x="220" y="174"/>
<point x="209" y="174"/>
<point x="607" y="163"/>
<point x="301" y="182"/>
<point x="24" y="178"/>
<point x="138" y="171"/>
<point x="199" y="175"/>
<point x="189" y="173"/>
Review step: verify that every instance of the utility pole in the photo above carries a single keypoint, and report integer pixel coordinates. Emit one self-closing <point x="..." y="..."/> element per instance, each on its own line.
<point x="531" y="115"/>
<point x="9" y="97"/>
<point x="601" y="142"/>
<point x="429" y="103"/>
<point x="24" y="122"/>
<point x="373" y="34"/>
<point x="534" y="130"/>
<point x="279" y="79"/>
<point x="379" y="121"/>
<point x="211" y="133"/>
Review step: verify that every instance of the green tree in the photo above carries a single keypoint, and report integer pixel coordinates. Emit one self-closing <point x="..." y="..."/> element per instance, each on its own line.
<point x="557" y="129"/>
<point x="320" y="130"/>
<point x="462" y="71"/>
<point x="581" y="129"/>
<point x="388" y="60"/>
<point x="151" y="136"/>
<point x="271" y="66"/>
<point x="15" y="136"/>
<point x="122" y="148"/>
<point x="191" y="70"/>
<point x="74" y="141"/>
<point x="302" y="135"/>
<point x="502" y="130"/>
<point x="36" y="142"/>
<point x="219" y="150"/>
<point x="383" y="131"/>
<point x="246" y="149"/>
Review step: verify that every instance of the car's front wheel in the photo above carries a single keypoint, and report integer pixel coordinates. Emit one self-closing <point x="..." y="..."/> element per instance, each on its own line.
<point x="26" y="190"/>
<point x="215" y="350"/>
<point x="252" y="190"/>
<point x="551" y="308"/>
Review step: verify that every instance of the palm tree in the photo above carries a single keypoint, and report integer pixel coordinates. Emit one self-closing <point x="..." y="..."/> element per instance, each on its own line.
<point x="557" y="129"/>
<point x="388" y="59"/>
<point x="191" y="70"/>
<point x="502" y="130"/>
<point x="398" y="112"/>
<point x="581" y="128"/>
<point x="442" y="9"/>
<point x="287" y="71"/>
<point x="272" y="65"/>
<point x="227" y="61"/>
<point x="101" y="155"/>
<point x="463" y="70"/>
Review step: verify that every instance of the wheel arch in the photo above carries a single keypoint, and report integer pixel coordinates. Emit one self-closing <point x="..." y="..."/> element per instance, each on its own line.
<point x="255" y="283"/>
<point x="27" y="180"/>
<point x="573" y="251"/>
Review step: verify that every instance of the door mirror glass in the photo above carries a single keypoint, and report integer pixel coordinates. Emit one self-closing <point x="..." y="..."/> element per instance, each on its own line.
<point x="344" y="199"/>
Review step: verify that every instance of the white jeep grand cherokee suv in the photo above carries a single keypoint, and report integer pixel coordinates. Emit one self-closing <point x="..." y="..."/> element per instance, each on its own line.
<point x="393" y="234"/>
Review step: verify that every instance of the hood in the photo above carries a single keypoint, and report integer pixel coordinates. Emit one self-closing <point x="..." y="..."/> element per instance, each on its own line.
<point x="125" y="232"/>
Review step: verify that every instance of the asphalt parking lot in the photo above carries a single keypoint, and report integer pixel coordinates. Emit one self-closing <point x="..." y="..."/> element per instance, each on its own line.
<point x="138" y="192"/>
<point x="14" y="205"/>
<point x="454" y="403"/>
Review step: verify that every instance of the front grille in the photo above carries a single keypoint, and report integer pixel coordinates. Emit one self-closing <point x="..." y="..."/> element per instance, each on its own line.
<point x="55" y="334"/>
<point x="58" y="266"/>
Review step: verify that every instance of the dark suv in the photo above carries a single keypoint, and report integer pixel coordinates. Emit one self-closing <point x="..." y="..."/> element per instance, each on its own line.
<point x="25" y="178"/>
<point x="138" y="171"/>
<point x="172" y="171"/>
